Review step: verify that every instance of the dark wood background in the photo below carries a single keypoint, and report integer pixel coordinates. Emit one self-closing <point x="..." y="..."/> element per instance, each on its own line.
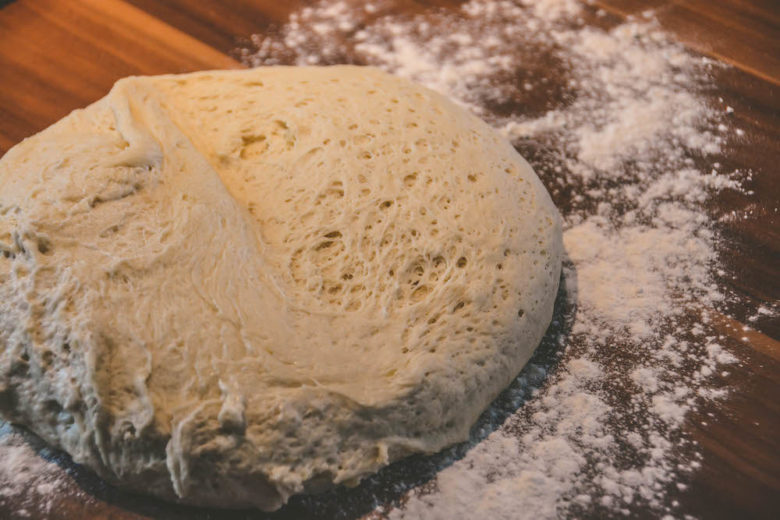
<point x="57" y="55"/>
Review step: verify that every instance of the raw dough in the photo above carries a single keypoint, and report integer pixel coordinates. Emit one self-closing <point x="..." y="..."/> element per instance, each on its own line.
<point x="224" y="288"/>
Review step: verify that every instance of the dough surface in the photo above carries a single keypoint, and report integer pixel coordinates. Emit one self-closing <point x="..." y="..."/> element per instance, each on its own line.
<point x="224" y="288"/>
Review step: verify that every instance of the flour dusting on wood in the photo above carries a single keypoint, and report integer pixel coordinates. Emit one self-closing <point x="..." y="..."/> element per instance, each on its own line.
<point x="628" y="147"/>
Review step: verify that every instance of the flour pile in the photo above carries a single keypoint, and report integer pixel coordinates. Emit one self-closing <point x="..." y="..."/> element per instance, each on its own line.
<point x="622" y="137"/>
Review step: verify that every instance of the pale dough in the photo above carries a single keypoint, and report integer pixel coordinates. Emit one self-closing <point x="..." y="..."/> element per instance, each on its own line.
<point x="228" y="287"/>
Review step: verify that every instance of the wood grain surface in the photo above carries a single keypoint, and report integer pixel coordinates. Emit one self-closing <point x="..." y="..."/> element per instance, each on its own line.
<point x="56" y="56"/>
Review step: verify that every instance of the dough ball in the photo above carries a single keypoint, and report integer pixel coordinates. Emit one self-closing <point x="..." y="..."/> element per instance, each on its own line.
<point x="225" y="288"/>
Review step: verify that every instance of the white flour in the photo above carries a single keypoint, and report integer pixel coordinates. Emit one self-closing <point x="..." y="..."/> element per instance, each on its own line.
<point x="615" y="147"/>
<point x="597" y="416"/>
<point x="29" y="483"/>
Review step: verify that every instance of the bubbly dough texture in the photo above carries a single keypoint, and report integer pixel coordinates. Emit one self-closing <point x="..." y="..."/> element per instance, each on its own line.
<point x="224" y="288"/>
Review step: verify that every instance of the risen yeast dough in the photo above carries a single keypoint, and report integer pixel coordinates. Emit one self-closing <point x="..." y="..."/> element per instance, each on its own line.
<point x="225" y="288"/>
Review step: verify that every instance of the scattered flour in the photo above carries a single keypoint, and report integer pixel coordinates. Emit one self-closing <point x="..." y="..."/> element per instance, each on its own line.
<point x="29" y="483"/>
<point x="627" y="146"/>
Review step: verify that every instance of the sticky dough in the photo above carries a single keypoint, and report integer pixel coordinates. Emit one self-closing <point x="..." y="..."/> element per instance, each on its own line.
<point x="224" y="288"/>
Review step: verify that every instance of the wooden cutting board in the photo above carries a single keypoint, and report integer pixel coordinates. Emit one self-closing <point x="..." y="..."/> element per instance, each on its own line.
<point x="57" y="55"/>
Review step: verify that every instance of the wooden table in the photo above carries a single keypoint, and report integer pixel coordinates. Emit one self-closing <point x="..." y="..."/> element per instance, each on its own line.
<point x="58" y="55"/>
